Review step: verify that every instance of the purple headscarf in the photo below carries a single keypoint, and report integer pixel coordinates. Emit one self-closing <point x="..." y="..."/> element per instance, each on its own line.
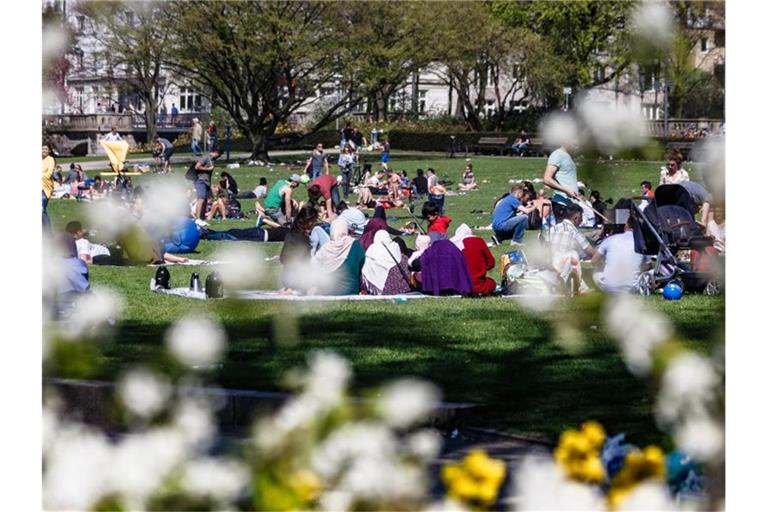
<point x="373" y="225"/>
<point x="444" y="268"/>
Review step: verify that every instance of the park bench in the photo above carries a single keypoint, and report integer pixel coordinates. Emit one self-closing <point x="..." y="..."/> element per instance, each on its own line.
<point x="535" y="148"/>
<point x="493" y="143"/>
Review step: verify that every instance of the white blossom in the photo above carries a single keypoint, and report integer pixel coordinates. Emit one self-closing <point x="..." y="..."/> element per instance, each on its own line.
<point x="541" y="485"/>
<point x="243" y="265"/>
<point x="559" y="128"/>
<point x="383" y="479"/>
<point x="164" y="204"/>
<point x="637" y="329"/>
<point x="143" y="392"/>
<point x="406" y="402"/>
<point x="648" y="496"/>
<point x="54" y="41"/>
<point x="687" y="387"/>
<point x="94" y="311"/>
<point x="223" y="480"/>
<point x="653" y="22"/>
<point x="336" y="501"/>
<point x="614" y="127"/>
<point x="701" y="437"/>
<point x="193" y="419"/>
<point x="424" y="444"/>
<point x="196" y="341"/>
<point x="352" y="441"/>
<point x="327" y="377"/>
<point x="75" y="475"/>
<point x="109" y="218"/>
<point x="142" y="462"/>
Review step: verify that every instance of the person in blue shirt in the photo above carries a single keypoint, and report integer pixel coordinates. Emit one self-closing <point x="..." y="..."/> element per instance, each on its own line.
<point x="510" y="216"/>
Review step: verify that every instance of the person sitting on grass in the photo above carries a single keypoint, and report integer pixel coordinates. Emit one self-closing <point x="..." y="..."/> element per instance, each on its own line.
<point x="420" y="183"/>
<point x="228" y="184"/>
<point x="568" y="245"/>
<point x="139" y="248"/>
<point x="479" y="260"/>
<point x="438" y="223"/>
<point x="385" y="271"/>
<point x="354" y="217"/>
<point x="444" y="270"/>
<point x="278" y="205"/>
<point x="341" y="261"/>
<point x="510" y="217"/>
<point x="616" y="263"/>
<point x="90" y="253"/>
<point x="302" y="241"/>
<point x="468" y="179"/>
<point x="436" y="190"/>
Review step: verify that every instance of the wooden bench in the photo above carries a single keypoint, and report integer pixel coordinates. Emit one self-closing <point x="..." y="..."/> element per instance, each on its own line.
<point x="535" y="148"/>
<point x="494" y="143"/>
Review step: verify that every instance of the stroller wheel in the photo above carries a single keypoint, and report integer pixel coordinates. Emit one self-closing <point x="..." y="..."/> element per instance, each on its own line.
<point x="712" y="288"/>
<point x="646" y="283"/>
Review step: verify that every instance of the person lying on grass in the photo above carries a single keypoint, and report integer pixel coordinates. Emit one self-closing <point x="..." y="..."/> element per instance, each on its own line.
<point x="265" y="230"/>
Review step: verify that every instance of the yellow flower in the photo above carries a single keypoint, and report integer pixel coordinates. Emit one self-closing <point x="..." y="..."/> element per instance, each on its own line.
<point x="594" y="433"/>
<point x="639" y="466"/>
<point x="475" y="480"/>
<point x="306" y="484"/>
<point x="578" y="452"/>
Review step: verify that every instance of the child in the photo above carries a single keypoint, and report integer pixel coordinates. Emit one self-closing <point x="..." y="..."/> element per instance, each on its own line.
<point x="437" y="223"/>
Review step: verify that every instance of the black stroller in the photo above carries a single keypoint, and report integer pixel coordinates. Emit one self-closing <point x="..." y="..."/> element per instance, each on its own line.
<point x="665" y="227"/>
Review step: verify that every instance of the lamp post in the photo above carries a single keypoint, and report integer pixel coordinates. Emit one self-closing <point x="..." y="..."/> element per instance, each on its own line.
<point x="336" y="85"/>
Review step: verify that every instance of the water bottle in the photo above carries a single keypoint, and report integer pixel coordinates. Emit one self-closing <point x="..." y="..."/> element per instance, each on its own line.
<point x="194" y="282"/>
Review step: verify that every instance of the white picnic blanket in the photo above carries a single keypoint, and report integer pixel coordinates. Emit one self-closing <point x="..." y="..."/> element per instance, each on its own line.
<point x="276" y="295"/>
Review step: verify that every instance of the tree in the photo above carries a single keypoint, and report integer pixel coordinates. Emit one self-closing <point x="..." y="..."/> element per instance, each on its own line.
<point x="584" y="35"/>
<point x="134" y="42"/>
<point x="261" y="61"/>
<point x="58" y="40"/>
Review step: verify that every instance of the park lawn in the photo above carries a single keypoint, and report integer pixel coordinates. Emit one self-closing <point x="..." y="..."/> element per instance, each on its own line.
<point x="487" y="351"/>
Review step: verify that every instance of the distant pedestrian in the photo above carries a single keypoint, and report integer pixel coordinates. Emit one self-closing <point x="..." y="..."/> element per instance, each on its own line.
<point x="212" y="135"/>
<point x="197" y="135"/>
<point x="317" y="162"/>
<point x="174" y="113"/>
<point x="112" y="136"/>
<point x="48" y="167"/>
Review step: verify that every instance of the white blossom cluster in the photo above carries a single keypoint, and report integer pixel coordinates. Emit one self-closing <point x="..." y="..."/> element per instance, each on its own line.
<point x="652" y="22"/>
<point x="196" y="341"/>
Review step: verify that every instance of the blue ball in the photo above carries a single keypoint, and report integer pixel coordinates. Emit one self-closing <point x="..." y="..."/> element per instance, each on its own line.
<point x="673" y="290"/>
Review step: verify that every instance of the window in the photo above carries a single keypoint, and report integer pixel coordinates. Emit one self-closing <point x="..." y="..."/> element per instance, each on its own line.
<point x="703" y="44"/>
<point x="189" y="100"/>
<point x="599" y="75"/>
<point x="79" y="57"/>
<point x="517" y="72"/>
<point x="80" y="99"/>
<point x="422" y="101"/>
<point x="81" y="23"/>
<point x="720" y="39"/>
<point x="129" y="18"/>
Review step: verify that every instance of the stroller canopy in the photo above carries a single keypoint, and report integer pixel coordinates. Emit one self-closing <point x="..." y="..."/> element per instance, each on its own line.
<point x="674" y="195"/>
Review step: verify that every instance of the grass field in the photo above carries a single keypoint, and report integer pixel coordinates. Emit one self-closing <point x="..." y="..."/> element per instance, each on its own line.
<point x="488" y="351"/>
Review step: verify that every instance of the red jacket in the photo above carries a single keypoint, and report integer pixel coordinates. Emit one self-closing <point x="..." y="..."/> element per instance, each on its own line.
<point x="479" y="261"/>
<point x="440" y="225"/>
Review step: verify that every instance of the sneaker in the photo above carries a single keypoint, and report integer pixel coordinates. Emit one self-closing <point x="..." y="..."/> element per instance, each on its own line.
<point x="515" y="245"/>
<point x="495" y="240"/>
<point x="201" y="223"/>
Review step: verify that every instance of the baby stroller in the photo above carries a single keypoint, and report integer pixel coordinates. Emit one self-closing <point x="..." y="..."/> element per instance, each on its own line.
<point x="663" y="229"/>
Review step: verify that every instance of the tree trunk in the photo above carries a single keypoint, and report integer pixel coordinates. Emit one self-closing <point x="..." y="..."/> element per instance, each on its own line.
<point x="150" y="118"/>
<point x="258" y="146"/>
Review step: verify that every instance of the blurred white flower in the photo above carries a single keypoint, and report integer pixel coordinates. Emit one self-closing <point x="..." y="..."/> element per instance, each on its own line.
<point x="653" y="22"/>
<point x="52" y="275"/>
<point x="54" y="41"/>
<point x="143" y="392"/>
<point x="384" y="480"/>
<point x="406" y="402"/>
<point x="613" y="127"/>
<point x="687" y="387"/>
<point x="336" y="501"/>
<point x="196" y="341"/>
<point x="142" y="462"/>
<point x="244" y="265"/>
<point x="313" y="279"/>
<point x="541" y="485"/>
<point x="297" y="412"/>
<point x="220" y="479"/>
<point x="94" y="312"/>
<point x="637" y="329"/>
<point x="700" y="437"/>
<point x="75" y="475"/>
<point x="559" y="128"/>
<point x="648" y="496"/>
<point x="352" y="441"/>
<point x="446" y="505"/>
<point x="711" y="154"/>
<point x="193" y="419"/>
<point x="109" y="218"/>
<point x="164" y="204"/>
<point x="327" y="377"/>
<point x="424" y="444"/>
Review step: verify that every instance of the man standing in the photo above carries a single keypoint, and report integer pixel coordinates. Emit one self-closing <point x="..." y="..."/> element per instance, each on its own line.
<point x="112" y="136"/>
<point x="568" y="245"/>
<point x="174" y="113"/>
<point x="560" y="175"/>
<point x="617" y="263"/>
<point x="197" y="135"/>
<point x="508" y="221"/>
<point x="212" y="134"/>
<point x="277" y="205"/>
<point x="49" y="164"/>
<point x="346" y="162"/>
<point x="204" y="168"/>
<point x="317" y="162"/>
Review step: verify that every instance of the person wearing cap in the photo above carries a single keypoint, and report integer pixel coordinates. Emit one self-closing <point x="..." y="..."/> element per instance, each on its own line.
<point x="197" y="135"/>
<point x="317" y="162"/>
<point x="277" y="204"/>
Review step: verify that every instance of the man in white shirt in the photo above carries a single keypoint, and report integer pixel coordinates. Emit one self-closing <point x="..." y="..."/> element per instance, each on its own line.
<point x="112" y="136"/>
<point x="355" y="218"/>
<point x="617" y="262"/>
<point x="88" y="252"/>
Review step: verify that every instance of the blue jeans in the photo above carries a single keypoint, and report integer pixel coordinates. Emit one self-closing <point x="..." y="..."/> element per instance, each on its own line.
<point x="46" y="218"/>
<point x="196" y="147"/>
<point x="518" y="148"/>
<point x="513" y="229"/>
<point x="316" y="173"/>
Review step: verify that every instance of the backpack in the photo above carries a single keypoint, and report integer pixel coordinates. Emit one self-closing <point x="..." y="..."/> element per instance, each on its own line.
<point x="191" y="173"/>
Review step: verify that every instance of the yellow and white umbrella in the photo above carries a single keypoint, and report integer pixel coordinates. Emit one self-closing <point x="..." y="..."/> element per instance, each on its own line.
<point x="116" y="151"/>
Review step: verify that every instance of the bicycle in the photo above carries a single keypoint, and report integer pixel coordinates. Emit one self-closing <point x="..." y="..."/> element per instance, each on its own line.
<point x="456" y="148"/>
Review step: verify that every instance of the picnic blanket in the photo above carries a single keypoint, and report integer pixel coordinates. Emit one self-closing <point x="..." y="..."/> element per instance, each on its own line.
<point x="275" y="295"/>
<point x="190" y="263"/>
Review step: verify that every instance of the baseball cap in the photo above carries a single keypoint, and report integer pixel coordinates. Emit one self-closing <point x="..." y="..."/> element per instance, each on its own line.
<point x="295" y="178"/>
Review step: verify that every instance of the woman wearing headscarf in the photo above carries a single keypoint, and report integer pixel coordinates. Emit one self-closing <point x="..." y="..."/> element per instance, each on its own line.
<point x="479" y="259"/>
<point x="340" y="261"/>
<point x="297" y="250"/>
<point x="385" y="271"/>
<point x="444" y="270"/>
<point x="422" y="243"/>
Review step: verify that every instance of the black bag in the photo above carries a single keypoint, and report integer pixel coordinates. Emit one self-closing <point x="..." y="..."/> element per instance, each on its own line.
<point x="191" y="173"/>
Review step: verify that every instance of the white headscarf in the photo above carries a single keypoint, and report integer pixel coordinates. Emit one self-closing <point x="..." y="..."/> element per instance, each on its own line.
<point x="334" y="252"/>
<point x="422" y="244"/>
<point x="462" y="232"/>
<point x="381" y="256"/>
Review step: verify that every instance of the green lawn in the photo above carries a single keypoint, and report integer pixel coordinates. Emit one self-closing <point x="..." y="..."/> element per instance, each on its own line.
<point x="488" y="351"/>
